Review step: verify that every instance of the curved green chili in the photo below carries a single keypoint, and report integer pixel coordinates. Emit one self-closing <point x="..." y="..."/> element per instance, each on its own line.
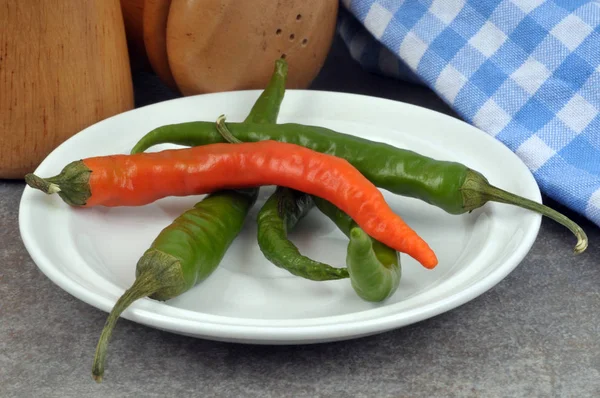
<point x="374" y="268"/>
<point x="183" y="254"/>
<point x="270" y="232"/>
<point x="451" y="186"/>
<point x="189" y="249"/>
<point x="280" y="213"/>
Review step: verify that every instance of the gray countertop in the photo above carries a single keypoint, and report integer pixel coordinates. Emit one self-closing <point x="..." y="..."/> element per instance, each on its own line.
<point x="534" y="334"/>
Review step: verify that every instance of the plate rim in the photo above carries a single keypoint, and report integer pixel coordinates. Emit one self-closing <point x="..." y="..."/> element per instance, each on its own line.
<point x="293" y="334"/>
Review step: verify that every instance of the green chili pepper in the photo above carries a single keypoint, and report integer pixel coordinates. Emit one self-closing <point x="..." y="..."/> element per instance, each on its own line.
<point x="374" y="268"/>
<point x="450" y="186"/>
<point x="264" y="111"/>
<point x="189" y="250"/>
<point x="280" y="213"/>
<point x="266" y="108"/>
<point x="184" y="254"/>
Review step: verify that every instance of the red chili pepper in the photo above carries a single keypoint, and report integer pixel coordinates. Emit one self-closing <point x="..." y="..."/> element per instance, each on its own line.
<point x="135" y="180"/>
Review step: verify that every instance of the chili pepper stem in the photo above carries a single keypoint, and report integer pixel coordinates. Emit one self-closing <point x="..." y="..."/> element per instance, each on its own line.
<point x="39" y="183"/>
<point x="225" y="132"/>
<point x="144" y="286"/>
<point x="157" y="273"/>
<point x="266" y="107"/>
<point x="476" y="190"/>
<point x="281" y="68"/>
<point x="71" y="184"/>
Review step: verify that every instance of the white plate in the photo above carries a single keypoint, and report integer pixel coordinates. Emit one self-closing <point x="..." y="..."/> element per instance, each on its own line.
<point x="92" y="253"/>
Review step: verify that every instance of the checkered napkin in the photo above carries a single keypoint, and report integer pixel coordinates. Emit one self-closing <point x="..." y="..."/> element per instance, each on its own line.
<point x="524" y="71"/>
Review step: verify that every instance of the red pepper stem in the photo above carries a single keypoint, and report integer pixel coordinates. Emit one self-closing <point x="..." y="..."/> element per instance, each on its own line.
<point x="46" y="187"/>
<point x="71" y="184"/>
<point x="145" y="285"/>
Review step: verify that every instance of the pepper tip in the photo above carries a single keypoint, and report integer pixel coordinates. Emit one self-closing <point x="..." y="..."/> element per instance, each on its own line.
<point x="430" y="262"/>
<point x="356" y="233"/>
<point x="97" y="378"/>
<point x="582" y="244"/>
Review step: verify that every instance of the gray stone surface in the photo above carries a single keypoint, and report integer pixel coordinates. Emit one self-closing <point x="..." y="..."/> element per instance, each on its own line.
<point x="533" y="335"/>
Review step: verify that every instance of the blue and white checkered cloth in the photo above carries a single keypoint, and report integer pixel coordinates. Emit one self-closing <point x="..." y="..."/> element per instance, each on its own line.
<point x="524" y="71"/>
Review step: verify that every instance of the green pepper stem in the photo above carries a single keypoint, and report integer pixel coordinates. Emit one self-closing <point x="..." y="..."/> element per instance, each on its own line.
<point x="224" y="131"/>
<point x="281" y="67"/>
<point x="144" y="285"/>
<point x="476" y="191"/>
<point x="499" y="195"/>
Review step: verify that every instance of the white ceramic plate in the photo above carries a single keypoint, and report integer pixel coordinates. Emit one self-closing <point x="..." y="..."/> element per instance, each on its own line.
<point x="92" y="253"/>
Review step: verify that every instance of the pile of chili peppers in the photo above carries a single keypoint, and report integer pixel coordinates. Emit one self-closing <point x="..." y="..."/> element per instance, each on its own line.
<point x="311" y="166"/>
